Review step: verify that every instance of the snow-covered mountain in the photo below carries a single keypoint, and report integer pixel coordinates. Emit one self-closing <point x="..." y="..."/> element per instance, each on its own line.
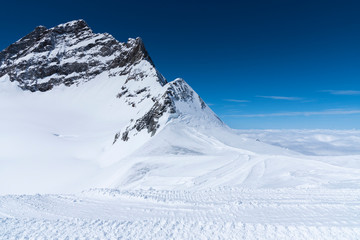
<point x="83" y="110"/>
<point x="71" y="54"/>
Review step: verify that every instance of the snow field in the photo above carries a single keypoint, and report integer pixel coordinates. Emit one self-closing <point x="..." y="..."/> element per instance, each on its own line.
<point x="166" y="229"/>
<point x="220" y="213"/>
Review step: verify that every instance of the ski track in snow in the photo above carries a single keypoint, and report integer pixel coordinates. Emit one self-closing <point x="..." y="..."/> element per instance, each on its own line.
<point x="221" y="213"/>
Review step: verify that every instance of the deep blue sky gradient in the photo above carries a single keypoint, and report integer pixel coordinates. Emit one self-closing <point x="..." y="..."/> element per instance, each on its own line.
<point x="259" y="64"/>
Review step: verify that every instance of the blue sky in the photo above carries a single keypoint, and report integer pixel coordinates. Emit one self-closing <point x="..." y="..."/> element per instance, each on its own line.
<point x="259" y="64"/>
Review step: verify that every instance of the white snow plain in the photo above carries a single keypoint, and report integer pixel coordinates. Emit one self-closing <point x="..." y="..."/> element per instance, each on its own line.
<point x="195" y="179"/>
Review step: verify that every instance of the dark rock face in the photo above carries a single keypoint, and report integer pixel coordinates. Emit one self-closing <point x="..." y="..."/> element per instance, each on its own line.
<point x="68" y="54"/>
<point x="180" y="91"/>
<point x="150" y="120"/>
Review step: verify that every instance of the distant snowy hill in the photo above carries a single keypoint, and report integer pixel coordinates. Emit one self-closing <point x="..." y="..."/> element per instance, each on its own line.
<point x="82" y="110"/>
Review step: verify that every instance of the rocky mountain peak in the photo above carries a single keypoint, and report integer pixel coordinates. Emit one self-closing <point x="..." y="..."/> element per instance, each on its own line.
<point x="68" y="54"/>
<point x="75" y="26"/>
<point x="139" y="49"/>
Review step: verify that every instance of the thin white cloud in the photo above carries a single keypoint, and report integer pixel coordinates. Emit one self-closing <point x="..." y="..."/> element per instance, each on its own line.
<point x="282" y="98"/>
<point x="342" y="92"/>
<point x="289" y="114"/>
<point x="236" y="100"/>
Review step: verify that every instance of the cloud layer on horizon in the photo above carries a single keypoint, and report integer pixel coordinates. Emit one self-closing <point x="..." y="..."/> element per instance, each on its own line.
<point x="306" y="113"/>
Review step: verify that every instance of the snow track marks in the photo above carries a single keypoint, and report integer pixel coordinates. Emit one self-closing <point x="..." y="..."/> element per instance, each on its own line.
<point x="222" y="213"/>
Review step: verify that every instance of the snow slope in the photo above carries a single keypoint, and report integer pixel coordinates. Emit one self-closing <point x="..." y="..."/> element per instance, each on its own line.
<point x="66" y="136"/>
<point x="61" y="141"/>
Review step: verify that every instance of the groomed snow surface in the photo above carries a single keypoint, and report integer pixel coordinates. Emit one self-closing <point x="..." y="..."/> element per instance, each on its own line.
<point x="330" y="211"/>
<point x="220" y="213"/>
